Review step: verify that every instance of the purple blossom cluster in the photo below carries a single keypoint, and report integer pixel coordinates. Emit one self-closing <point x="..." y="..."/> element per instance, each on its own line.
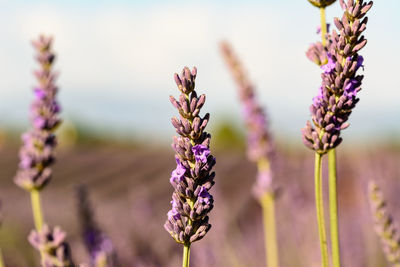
<point x="193" y="177"/>
<point x="339" y="62"/>
<point x="37" y="152"/>
<point x="99" y="246"/>
<point x="260" y="147"/>
<point x="55" y="252"/>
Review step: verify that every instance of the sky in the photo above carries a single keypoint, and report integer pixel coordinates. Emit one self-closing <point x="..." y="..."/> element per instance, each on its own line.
<point x="117" y="59"/>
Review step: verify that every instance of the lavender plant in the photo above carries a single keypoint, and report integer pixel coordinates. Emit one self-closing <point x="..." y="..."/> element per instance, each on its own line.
<point x="339" y="59"/>
<point x="193" y="177"/>
<point x="99" y="246"/>
<point x="37" y="152"/>
<point x="259" y="150"/>
<point x="51" y="244"/>
<point x="337" y="96"/>
<point x="37" y="156"/>
<point x="385" y="227"/>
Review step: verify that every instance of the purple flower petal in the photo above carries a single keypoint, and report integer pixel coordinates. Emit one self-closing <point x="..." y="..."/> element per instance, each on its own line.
<point x="201" y="153"/>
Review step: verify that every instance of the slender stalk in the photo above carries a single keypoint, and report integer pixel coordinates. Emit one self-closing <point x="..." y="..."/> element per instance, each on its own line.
<point x="271" y="246"/>
<point x="323" y="25"/>
<point x="319" y="202"/>
<point x="333" y="208"/>
<point x="2" y="264"/>
<point x="186" y="255"/>
<point x="37" y="209"/>
<point x="333" y="214"/>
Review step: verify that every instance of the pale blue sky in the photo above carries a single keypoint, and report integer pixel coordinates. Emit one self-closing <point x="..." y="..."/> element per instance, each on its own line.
<point x="117" y="59"/>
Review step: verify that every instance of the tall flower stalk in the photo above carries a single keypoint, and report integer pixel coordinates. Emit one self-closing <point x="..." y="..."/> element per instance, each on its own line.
<point x="37" y="152"/>
<point x="193" y="177"/>
<point x="37" y="157"/>
<point x="385" y="227"/>
<point x="339" y="60"/>
<point x="99" y="246"/>
<point x="260" y="150"/>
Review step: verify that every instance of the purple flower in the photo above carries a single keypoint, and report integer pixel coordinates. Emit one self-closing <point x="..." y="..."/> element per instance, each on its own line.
<point x="360" y="61"/>
<point x="350" y="89"/>
<point x="39" y="93"/>
<point x="201" y="153"/>
<point x="259" y="140"/>
<point x="317" y="100"/>
<point x="54" y="249"/>
<point x="98" y="245"/>
<point x="173" y="213"/>
<point x="188" y="220"/>
<point x="39" y="122"/>
<point x="178" y="174"/>
<point x="263" y="182"/>
<point x="204" y="196"/>
<point x="340" y="81"/>
<point x="329" y="66"/>
<point x="36" y="153"/>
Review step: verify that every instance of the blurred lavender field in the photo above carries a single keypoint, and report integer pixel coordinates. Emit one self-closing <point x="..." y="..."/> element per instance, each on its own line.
<point x="116" y="60"/>
<point x="129" y="189"/>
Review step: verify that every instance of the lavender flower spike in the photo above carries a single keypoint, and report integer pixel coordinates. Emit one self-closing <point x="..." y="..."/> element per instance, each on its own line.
<point x="193" y="178"/>
<point x="340" y="82"/>
<point x="37" y="152"/>
<point x="99" y="246"/>
<point x="52" y="246"/>
<point x="260" y="148"/>
<point x="385" y="227"/>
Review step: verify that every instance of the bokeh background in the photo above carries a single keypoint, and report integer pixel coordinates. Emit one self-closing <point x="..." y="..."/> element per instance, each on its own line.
<point x="116" y="61"/>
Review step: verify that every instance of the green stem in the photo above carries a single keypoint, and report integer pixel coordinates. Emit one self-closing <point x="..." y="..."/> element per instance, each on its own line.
<point x="268" y="210"/>
<point x="186" y="255"/>
<point x="319" y="202"/>
<point x="271" y="246"/>
<point x="37" y="209"/>
<point x="2" y="264"/>
<point x="323" y="25"/>
<point x="333" y="208"/>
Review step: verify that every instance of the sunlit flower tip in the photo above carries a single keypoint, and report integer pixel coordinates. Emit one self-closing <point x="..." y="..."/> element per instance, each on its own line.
<point x="201" y="153"/>
<point x="329" y="66"/>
